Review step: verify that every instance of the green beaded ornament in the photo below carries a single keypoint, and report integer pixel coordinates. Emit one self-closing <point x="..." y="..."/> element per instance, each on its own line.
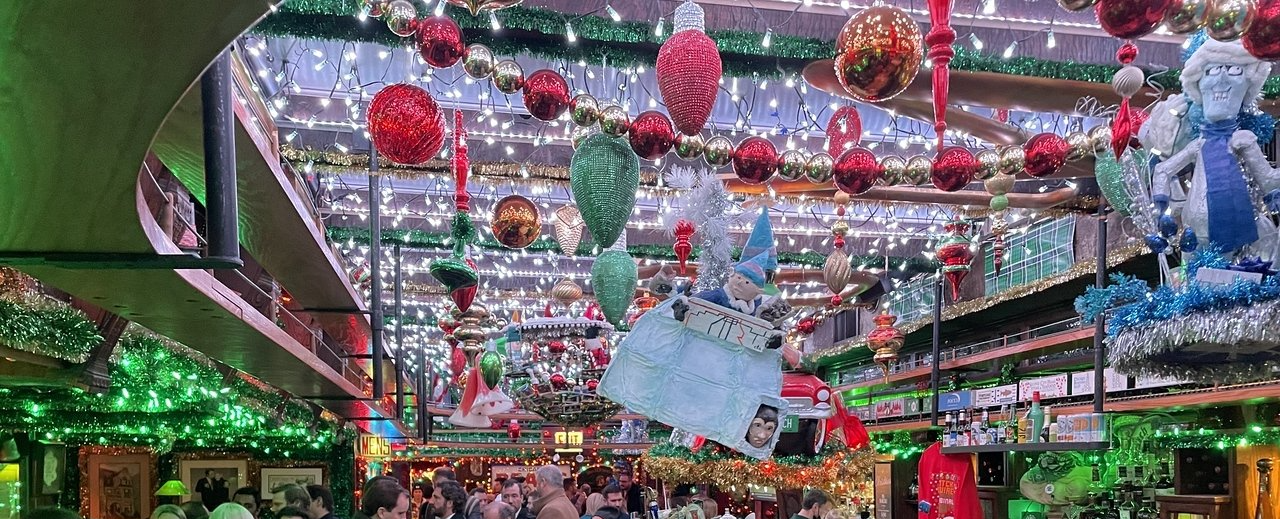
<point x="604" y="174"/>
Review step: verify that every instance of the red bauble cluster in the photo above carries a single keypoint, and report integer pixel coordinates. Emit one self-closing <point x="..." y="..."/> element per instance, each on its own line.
<point x="546" y="95"/>
<point x="440" y="41"/>
<point x="1131" y="19"/>
<point x="1045" y="154"/>
<point x="856" y="171"/>
<point x="755" y="160"/>
<point x="688" y="71"/>
<point x="954" y="169"/>
<point x="1263" y="38"/>
<point x="405" y="124"/>
<point x="556" y="347"/>
<point x="651" y="135"/>
<point x="558" y="381"/>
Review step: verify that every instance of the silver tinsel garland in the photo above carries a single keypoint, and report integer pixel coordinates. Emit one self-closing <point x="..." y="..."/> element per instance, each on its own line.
<point x="1248" y="335"/>
<point x="708" y="206"/>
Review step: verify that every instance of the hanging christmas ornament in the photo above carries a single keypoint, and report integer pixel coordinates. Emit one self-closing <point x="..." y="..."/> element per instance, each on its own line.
<point x="558" y="381"/>
<point x="895" y="170"/>
<point x="604" y="175"/>
<point x="375" y="8"/>
<point x="568" y="226"/>
<point x="566" y="292"/>
<point x="682" y="247"/>
<point x="614" y="121"/>
<point x="1110" y="176"/>
<point x="513" y="430"/>
<point x="954" y="169"/>
<point x="1076" y="5"/>
<point x="546" y="95"/>
<point x="1100" y="136"/>
<point x="457" y="272"/>
<point x="479" y="61"/>
<point x="508" y="76"/>
<point x="581" y="133"/>
<point x="836" y="271"/>
<point x="791" y="165"/>
<point x="361" y="275"/>
<point x="878" y="53"/>
<point x="819" y="168"/>
<point x="516" y="222"/>
<point x="1131" y="19"/>
<point x="613" y="279"/>
<point x="651" y="135"/>
<point x="491" y="367"/>
<point x="1126" y="82"/>
<point x="405" y="124"/>
<point x="584" y="110"/>
<point x="885" y="340"/>
<point x="988" y="164"/>
<point x="1046" y="153"/>
<point x="954" y="254"/>
<point x="856" y="172"/>
<point x="1187" y="16"/>
<point x="919" y="170"/>
<point x="1078" y="146"/>
<point x="1230" y="19"/>
<point x="401" y="17"/>
<point x="755" y="160"/>
<point x="718" y="151"/>
<point x="844" y="130"/>
<point x="688" y="70"/>
<point x="1263" y="38"/>
<point x="999" y="187"/>
<point x="998" y="227"/>
<point x="440" y="41"/>
<point x="688" y="147"/>
<point x="1012" y="160"/>
<point x="475" y="6"/>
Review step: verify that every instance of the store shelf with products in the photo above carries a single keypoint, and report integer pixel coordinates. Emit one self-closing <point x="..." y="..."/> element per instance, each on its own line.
<point x="1029" y="447"/>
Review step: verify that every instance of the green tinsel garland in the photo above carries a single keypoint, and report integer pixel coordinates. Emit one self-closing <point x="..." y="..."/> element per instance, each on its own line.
<point x="627" y="44"/>
<point x="417" y="239"/>
<point x="42" y="326"/>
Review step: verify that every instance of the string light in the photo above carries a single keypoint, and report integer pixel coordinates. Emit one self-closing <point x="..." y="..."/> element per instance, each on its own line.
<point x="1008" y="51"/>
<point x="569" y="34"/>
<point x="768" y="38"/>
<point x="658" y="29"/>
<point x="613" y="13"/>
<point x="493" y="21"/>
<point x="977" y="42"/>
<point x="439" y="11"/>
<point x="989" y="7"/>
<point x="1051" y="42"/>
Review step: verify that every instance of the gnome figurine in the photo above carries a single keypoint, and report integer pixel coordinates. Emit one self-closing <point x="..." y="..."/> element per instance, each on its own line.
<point x="745" y="288"/>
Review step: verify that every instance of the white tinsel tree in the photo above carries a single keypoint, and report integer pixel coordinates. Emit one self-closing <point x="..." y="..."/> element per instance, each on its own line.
<point x="707" y="205"/>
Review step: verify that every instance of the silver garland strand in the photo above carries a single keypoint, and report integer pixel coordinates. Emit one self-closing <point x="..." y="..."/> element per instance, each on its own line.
<point x="1241" y="330"/>
<point x="708" y="208"/>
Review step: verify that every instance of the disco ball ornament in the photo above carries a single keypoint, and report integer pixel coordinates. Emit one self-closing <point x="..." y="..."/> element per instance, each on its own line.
<point x="718" y="151"/>
<point x="1012" y="160"/>
<point x="688" y="147"/>
<point x="844" y="130"/>
<point x="604" y="174"/>
<point x="1263" y="38"/>
<point x="919" y="170"/>
<point x="895" y="170"/>
<point x="546" y="95"/>
<point x="1131" y="19"/>
<point x="508" y="76"/>
<point x="651" y="135"/>
<point x="1187" y="16"/>
<point x="375" y="8"/>
<point x="613" y="278"/>
<point x="856" y="172"/>
<point x="988" y="164"/>
<point x="755" y="160"/>
<point x="614" y="121"/>
<point x="566" y="292"/>
<point x="401" y="18"/>
<point x="405" y="124"/>
<point x="440" y="41"/>
<point x="819" y="168"/>
<point x="516" y="223"/>
<point x="878" y="53"/>
<point x="1230" y="19"/>
<point x="1045" y="154"/>
<point x="688" y="71"/>
<point x="584" y="110"/>
<point x="791" y="165"/>
<point x="475" y="6"/>
<point x="479" y="61"/>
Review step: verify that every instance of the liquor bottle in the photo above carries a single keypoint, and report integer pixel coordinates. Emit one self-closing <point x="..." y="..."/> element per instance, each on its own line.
<point x="1127" y="507"/>
<point x="1164" y="485"/>
<point x="1266" y="507"/>
<point x="985" y="432"/>
<point x="1010" y="425"/>
<point x="1036" y="416"/>
<point x="913" y="491"/>
<point x="965" y="436"/>
<point x="949" y="433"/>
<point x="1148" y="510"/>
<point x="1122" y="477"/>
<point x="1109" y="510"/>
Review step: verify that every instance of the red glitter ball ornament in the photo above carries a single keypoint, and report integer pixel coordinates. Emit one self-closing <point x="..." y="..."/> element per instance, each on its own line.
<point x="1045" y="154"/>
<point x="688" y="70"/>
<point x="954" y="169"/>
<point x="856" y="171"/>
<point x="405" y="124"/>
<point x="1263" y="38"/>
<point x="546" y="95"/>
<point x="651" y="135"/>
<point x="755" y="160"/>
<point x="592" y="384"/>
<point x="844" y="128"/>
<point x="556" y="347"/>
<point x="440" y="41"/>
<point x="1131" y="19"/>
<point x="558" y="381"/>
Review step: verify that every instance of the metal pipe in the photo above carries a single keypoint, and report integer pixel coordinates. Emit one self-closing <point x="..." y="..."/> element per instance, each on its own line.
<point x="400" y="371"/>
<point x="423" y="393"/>
<point x="220" y="161"/>
<point x="1100" y="324"/>
<point x="934" y="375"/>
<point x="375" y="264"/>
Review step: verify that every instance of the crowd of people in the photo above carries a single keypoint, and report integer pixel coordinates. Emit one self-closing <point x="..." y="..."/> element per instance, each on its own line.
<point x="290" y="501"/>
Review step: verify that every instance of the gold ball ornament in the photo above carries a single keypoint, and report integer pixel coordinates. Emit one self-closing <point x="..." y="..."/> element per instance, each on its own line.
<point x="508" y="76"/>
<point x="401" y="17"/>
<point x="1230" y="19"/>
<point x="718" y="151"/>
<point x="1100" y="136"/>
<point x="988" y="164"/>
<point x="1186" y="16"/>
<point x="614" y="121"/>
<point x="841" y="198"/>
<point x="840" y="228"/>
<point x="584" y="110"/>
<point x="479" y="61"/>
<point x="1012" y="160"/>
<point x="836" y="272"/>
<point x="688" y="147"/>
<point x="566" y="292"/>
<point x="516" y="223"/>
<point x="818" y="169"/>
<point x="878" y="53"/>
<point x="1079" y="146"/>
<point x="895" y="170"/>
<point x="791" y="165"/>
<point x="919" y="170"/>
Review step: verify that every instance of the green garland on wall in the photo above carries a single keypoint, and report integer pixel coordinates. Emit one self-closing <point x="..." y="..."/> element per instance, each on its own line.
<point x="42" y="326"/>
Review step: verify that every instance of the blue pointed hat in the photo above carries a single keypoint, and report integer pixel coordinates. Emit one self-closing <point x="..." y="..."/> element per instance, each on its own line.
<point x="761" y="241"/>
<point x="753" y="268"/>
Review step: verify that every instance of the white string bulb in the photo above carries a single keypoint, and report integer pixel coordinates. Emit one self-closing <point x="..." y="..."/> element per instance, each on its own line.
<point x="1008" y="51"/>
<point x="613" y="13"/>
<point x="493" y="21"/>
<point x="1051" y="42"/>
<point x="768" y="38"/>
<point x="658" y="29"/>
<point x="977" y="42"/>
<point x="569" y="34"/>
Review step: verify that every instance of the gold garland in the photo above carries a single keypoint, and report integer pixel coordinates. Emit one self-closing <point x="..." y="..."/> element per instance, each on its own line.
<point x="953" y="311"/>
<point x="839" y="473"/>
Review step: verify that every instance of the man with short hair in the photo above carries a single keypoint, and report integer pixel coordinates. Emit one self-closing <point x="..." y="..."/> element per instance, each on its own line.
<point x="499" y="510"/>
<point x="321" y="502"/>
<point x="635" y="499"/>
<point x="385" y="499"/>
<point x="248" y="498"/>
<point x="442" y="474"/>
<point x="609" y="512"/>
<point x="289" y="494"/>
<point x="614" y="496"/>
<point x="551" y="503"/>
<point x="816" y="504"/>
<point x="212" y="489"/>
<point x="291" y="512"/>
<point x="447" y="499"/>
<point x="513" y="496"/>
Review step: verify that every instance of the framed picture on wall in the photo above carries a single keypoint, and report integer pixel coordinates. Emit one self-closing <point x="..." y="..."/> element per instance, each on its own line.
<point x="120" y="485"/>
<point x="212" y="481"/>
<point x="51" y="468"/>
<point x="275" y="477"/>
